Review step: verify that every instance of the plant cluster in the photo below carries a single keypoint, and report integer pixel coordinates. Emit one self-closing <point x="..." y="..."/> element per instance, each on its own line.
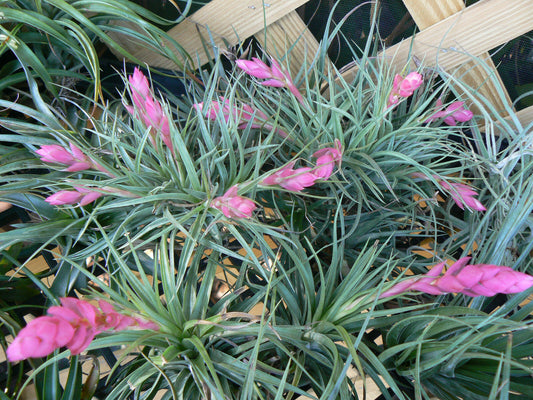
<point x="267" y="231"/>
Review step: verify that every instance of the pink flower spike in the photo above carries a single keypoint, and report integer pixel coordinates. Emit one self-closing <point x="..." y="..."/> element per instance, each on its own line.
<point x="234" y="206"/>
<point x="454" y="113"/>
<point x="40" y="338"/>
<point x="404" y="87"/>
<point x="255" y="67"/>
<point x="471" y="280"/>
<point x="140" y="87"/>
<point x="64" y="197"/>
<point x="409" y="84"/>
<point x="149" y="109"/>
<point x="54" y="153"/>
<point x="462" y="195"/>
<point x="275" y="75"/>
<point x="327" y="158"/>
<point x="291" y="179"/>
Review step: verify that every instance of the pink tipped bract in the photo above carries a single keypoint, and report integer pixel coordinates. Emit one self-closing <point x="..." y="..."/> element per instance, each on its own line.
<point x="294" y="180"/>
<point x="275" y="75"/>
<point x="471" y="280"/>
<point x="404" y="87"/>
<point x="148" y="109"/>
<point x="74" y="325"/>
<point x="234" y="206"/>
<point x="327" y="158"/>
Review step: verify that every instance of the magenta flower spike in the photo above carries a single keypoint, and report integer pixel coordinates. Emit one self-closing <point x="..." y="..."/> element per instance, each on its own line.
<point x="404" y="87"/>
<point x="454" y="113"/>
<point x="294" y="180"/>
<point x="140" y="88"/>
<point x="471" y="280"/>
<point x="255" y="67"/>
<point x="75" y="159"/>
<point x="39" y="338"/>
<point x="275" y="75"/>
<point x="54" y="153"/>
<point x="73" y="324"/>
<point x="64" y="197"/>
<point x="148" y="109"/>
<point x="81" y="195"/>
<point x="327" y="158"/>
<point x="234" y="206"/>
<point x="462" y="195"/>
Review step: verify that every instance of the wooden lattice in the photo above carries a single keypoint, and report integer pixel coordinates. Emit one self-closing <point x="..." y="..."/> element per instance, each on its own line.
<point x="450" y="34"/>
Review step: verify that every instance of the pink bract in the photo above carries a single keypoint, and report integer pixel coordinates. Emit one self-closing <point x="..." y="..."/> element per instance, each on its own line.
<point x="55" y="153"/>
<point x="294" y="180"/>
<point x="275" y="75"/>
<point x="39" y="338"/>
<point x="471" y="280"/>
<point x="404" y="87"/>
<point x="73" y="324"/>
<point x="327" y="158"/>
<point x="234" y="206"/>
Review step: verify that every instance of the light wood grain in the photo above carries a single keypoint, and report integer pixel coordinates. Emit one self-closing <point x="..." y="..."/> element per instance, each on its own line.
<point x="485" y="80"/>
<point x="225" y="22"/>
<point x="428" y="12"/>
<point x="525" y="116"/>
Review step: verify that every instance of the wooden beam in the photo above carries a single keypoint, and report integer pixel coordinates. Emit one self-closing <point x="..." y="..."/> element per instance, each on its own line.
<point x="226" y="22"/>
<point x="482" y="79"/>
<point x="429" y="12"/>
<point x="525" y="116"/>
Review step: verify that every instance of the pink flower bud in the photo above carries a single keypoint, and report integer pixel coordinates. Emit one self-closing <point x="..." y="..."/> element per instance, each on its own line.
<point x="40" y="338"/>
<point x="81" y="195"/>
<point x="409" y="84"/>
<point x="73" y="324"/>
<point x="234" y="206"/>
<point x="291" y="179"/>
<point x="275" y="75"/>
<point x="54" y="153"/>
<point x="64" y="197"/>
<point x="140" y="87"/>
<point x="454" y="113"/>
<point x="255" y="67"/>
<point x="149" y="110"/>
<point x="462" y="195"/>
<point x="327" y="158"/>
<point x="404" y="87"/>
<point x="75" y="159"/>
<point x="471" y="280"/>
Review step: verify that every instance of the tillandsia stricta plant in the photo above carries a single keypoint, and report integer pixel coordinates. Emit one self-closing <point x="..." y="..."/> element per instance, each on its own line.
<point x="265" y="235"/>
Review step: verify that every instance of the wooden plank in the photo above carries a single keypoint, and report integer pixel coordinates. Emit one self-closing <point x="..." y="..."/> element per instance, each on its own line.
<point x="223" y="21"/>
<point x="289" y="37"/>
<point x="430" y="12"/>
<point x="480" y="78"/>
<point x="483" y="80"/>
<point x="525" y="116"/>
<point x="478" y="28"/>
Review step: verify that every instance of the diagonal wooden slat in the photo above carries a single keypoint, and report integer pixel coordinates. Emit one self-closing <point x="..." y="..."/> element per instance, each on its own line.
<point x="525" y="116"/>
<point x="480" y="78"/>
<point x="224" y="21"/>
